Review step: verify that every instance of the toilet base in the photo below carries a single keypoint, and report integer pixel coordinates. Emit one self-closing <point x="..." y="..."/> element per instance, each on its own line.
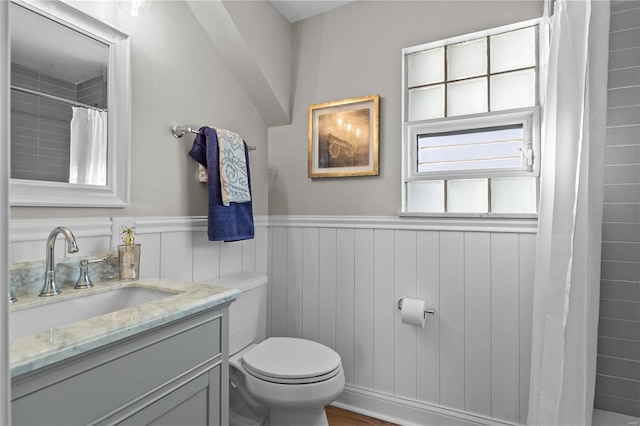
<point x="243" y="409"/>
<point x="241" y="413"/>
<point x="308" y="417"/>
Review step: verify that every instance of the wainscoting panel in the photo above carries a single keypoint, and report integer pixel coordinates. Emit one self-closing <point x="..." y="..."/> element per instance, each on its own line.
<point x="340" y="286"/>
<point x="172" y="248"/>
<point x="383" y="311"/>
<point x="310" y="289"/>
<point x="327" y="286"/>
<point x="452" y="373"/>
<point x="178" y="249"/>
<point x="363" y="308"/>
<point x="176" y="256"/>
<point x="477" y="321"/>
<point x="505" y="330"/>
<point x="527" y="247"/>
<point x="428" y="348"/>
<point x="345" y="302"/>
<point x="294" y="274"/>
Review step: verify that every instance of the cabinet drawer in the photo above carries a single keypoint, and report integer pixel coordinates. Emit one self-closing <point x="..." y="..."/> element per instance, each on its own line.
<point x="99" y="391"/>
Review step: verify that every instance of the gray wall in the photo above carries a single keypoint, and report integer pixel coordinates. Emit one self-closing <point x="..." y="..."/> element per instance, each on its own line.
<point x="178" y="78"/>
<point x="356" y="50"/>
<point x="618" y="371"/>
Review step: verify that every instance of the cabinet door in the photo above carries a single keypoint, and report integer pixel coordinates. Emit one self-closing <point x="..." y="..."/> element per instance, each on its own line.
<point x="196" y="403"/>
<point x="112" y="379"/>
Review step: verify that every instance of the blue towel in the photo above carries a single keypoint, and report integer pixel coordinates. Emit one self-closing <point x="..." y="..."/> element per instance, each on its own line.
<point x="224" y="223"/>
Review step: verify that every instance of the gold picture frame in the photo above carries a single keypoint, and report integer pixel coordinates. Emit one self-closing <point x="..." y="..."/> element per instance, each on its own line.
<point x="343" y="138"/>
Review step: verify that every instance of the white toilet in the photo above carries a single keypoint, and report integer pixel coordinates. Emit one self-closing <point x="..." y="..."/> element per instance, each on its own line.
<point x="282" y="380"/>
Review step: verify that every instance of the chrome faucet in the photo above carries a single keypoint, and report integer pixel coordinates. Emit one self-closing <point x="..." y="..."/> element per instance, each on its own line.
<point x="50" y="287"/>
<point x="12" y="298"/>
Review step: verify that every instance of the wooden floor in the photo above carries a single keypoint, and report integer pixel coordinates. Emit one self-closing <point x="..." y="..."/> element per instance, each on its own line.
<point x="340" y="417"/>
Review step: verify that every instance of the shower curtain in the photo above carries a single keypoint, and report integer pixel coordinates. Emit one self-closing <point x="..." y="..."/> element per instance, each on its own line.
<point x="88" y="151"/>
<point x="567" y="282"/>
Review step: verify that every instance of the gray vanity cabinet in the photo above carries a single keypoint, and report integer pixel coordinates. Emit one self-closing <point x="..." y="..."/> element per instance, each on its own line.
<point x="173" y="374"/>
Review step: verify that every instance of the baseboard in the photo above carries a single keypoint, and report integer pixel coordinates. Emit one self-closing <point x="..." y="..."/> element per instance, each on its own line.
<point x="407" y="412"/>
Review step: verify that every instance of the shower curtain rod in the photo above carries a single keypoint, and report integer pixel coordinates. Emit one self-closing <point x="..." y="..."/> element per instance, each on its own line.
<point x="55" y="98"/>
<point x="179" y="131"/>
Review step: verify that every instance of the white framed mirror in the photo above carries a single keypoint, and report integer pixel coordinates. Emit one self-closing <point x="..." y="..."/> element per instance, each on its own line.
<point x="70" y="108"/>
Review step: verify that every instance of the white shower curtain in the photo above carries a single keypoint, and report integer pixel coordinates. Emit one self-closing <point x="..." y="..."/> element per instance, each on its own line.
<point x="567" y="282"/>
<point x="88" y="153"/>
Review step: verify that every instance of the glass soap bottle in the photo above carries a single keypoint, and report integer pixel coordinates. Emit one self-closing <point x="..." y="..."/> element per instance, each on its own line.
<point x="129" y="254"/>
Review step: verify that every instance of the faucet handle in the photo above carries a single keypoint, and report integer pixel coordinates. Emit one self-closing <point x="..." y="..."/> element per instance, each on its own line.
<point x="83" y="280"/>
<point x="12" y="298"/>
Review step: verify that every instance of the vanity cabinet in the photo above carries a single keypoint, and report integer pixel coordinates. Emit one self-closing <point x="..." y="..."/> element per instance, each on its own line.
<point x="172" y="374"/>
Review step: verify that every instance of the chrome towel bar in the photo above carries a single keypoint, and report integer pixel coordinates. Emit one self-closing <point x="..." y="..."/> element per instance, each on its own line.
<point x="179" y="131"/>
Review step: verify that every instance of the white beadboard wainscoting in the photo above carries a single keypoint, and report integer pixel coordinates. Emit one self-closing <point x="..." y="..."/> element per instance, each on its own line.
<point x="172" y="248"/>
<point x="337" y="280"/>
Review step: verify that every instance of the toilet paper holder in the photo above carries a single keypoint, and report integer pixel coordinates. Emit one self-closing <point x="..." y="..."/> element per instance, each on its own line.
<point x="426" y="311"/>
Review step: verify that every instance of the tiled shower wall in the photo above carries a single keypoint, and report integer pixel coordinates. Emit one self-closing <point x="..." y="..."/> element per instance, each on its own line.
<point x="40" y="127"/>
<point x="93" y="92"/>
<point x="618" y="370"/>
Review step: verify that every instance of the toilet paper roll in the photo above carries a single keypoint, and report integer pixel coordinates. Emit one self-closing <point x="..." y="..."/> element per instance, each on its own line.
<point x="412" y="312"/>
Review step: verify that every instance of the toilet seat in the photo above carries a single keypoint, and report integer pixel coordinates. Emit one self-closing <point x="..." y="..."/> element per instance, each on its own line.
<point x="286" y="360"/>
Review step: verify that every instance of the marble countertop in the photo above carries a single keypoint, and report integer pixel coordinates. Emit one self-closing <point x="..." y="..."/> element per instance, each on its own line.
<point x="56" y="344"/>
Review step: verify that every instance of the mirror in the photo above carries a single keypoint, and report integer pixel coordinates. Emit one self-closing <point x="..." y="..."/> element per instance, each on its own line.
<point x="70" y="108"/>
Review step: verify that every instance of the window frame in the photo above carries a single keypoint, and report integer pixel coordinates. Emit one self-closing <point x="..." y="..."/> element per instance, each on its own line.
<point x="529" y="117"/>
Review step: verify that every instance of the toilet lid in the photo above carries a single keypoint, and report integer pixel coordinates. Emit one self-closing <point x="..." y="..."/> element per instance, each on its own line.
<point x="291" y="360"/>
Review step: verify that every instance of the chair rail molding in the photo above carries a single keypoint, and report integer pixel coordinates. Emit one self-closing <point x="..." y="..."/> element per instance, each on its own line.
<point x="527" y="225"/>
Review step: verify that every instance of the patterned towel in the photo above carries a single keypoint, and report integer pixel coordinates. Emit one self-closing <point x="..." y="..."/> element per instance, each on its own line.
<point x="234" y="185"/>
<point x="224" y="223"/>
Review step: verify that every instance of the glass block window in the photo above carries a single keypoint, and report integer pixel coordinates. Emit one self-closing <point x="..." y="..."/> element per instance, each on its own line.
<point x="490" y="73"/>
<point x="471" y="126"/>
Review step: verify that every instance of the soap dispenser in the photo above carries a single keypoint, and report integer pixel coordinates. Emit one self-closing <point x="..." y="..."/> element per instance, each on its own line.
<point x="129" y="255"/>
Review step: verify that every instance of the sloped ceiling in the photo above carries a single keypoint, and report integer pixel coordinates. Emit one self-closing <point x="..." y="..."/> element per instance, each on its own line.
<point x="227" y="38"/>
<point x="297" y="10"/>
<point x="268" y="90"/>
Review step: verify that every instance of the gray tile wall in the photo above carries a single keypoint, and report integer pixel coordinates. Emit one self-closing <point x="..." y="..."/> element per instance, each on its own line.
<point x="40" y="127"/>
<point x="93" y="92"/>
<point x="618" y="369"/>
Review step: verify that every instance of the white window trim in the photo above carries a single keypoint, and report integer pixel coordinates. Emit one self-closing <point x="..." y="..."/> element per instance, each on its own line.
<point x="466" y="37"/>
<point x="535" y="134"/>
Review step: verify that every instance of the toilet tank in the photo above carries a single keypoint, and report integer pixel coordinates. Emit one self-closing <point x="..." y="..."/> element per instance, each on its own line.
<point x="248" y="310"/>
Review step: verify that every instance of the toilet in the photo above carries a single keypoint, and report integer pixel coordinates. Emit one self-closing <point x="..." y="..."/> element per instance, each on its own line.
<point x="281" y="381"/>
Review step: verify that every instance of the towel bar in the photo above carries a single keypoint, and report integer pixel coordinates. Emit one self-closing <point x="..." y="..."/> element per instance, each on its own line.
<point x="179" y="131"/>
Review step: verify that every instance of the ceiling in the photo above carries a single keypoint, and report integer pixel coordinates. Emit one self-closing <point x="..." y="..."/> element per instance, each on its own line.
<point x="297" y="10"/>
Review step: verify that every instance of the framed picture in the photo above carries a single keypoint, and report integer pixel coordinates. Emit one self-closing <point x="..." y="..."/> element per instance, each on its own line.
<point x="343" y="138"/>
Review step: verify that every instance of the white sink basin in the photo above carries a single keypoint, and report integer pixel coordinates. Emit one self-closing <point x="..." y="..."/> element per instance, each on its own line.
<point x="58" y="313"/>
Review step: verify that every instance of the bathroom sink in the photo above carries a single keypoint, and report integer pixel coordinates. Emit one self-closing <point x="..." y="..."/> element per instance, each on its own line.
<point x="58" y="313"/>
